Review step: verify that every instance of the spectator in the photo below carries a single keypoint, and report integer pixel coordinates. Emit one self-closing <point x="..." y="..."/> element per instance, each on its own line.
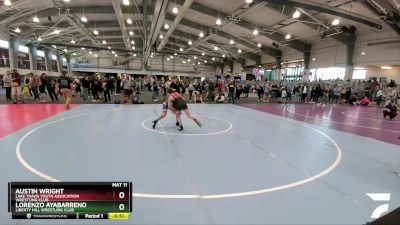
<point x="231" y="92"/>
<point x="16" y="87"/>
<point x="7" y="79"/>
<point x="220" y="98"/>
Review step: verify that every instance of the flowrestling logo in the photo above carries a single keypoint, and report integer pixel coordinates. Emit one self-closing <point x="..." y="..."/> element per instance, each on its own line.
<point x="382" y="209"/>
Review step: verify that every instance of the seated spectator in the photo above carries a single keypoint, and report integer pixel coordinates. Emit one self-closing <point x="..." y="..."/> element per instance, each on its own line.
<point x="220" y="98"/>
<point x="364" y="101"/>
<point x="135" y="99"/>
<point x="198" y="98"/>
<point x="390" y="109"/>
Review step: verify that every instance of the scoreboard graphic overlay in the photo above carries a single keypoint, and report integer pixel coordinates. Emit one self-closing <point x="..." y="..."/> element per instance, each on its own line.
<point x="70" y="200"/>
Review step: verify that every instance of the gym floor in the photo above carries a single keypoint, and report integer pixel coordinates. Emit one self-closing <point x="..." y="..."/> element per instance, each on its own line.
<point x="248" y="164"/>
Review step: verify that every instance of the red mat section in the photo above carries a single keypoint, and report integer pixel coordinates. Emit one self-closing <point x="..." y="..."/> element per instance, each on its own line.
<point x="16" y="117"/>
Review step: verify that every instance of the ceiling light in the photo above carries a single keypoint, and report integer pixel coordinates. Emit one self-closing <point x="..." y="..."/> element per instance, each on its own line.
<point x="239" y="50"/>
<point x="183" y="61"/>
<point x="39" y="39"/>
<point x="181" y="49"/>
<point x="296" y="14"/>
<point x="288" y="36"/>
<point x="198" y="63"/>
<point x="83" y="48"/>
<point x="36" y="19"/>
<point x="259" y="45"/>
<point x="96" y="55"/>
<point x="116" y="55"/>
<point x="215" y="48"/>
<point x="112" y="52"/>
<point x="175" y="10"/>
<point x="175" y="53"/>
<point x="109" y="47"/>
<point x="129" y="21"/>
<point x="56" y="31"/>
<point x="167" y="59"/>
<point x="249" y="1"/>
<point x="386" y="67"/>
<point x="223" y="56"/>
<point x="161" y="36"/>
<point x="166" y="26"/>
<point x="203" y="53"/>
<point x="218" y="22"/>
<point x="205" y="61"/>
<point x="195" y="57"/>
<point x="188" y="60"/>
<point x="313" y="59"/>
<point x="255" y="31"/>
<point x="96" y="32"/>
<point x="7" y="2"/>
<point x="133" y="47"/>
<point x="17" y="30"/>
<point x="213" y="58"/>
<point x="358" y="68"/>
<point x="131" y="33"/>
<point x="66" y="0"/>
<point x="335" y="22"/>
<point x="90" y="52"/>
<point x="104" y="42"/>
<point x="54" y="46"/>
<point x="65" y="50"/>
<point x="132" y="42"/>
<point x="73" y="41"/>
<point x="190" y="43"/>
<point x="171" y="57"/>
<point x="151" y="56"/>
<point x="74" y="53"/>
<point x="84" y="19"/>
<point x="125" y="2"/>
<point x="201" y="34"/>
<point x="231" y="42"/>
<point x="362" y="53"/>
<point x="134" y="55"/>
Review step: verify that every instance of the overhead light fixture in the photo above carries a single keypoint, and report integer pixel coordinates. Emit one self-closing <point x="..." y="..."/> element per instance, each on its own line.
<point x="54" y="46"/>
<point x="133" y="47"/>
<point x="126" y="2"/>
<point x="335" y="22"/>
<point x="181" y="49"/>
<point x="131" y="33"/>
<point x="216" y="48"/>
<point x="175" y="54"/>
<point x="358" y="68"/>
<point x="288" y="36"/>
<point x="231" y="42"/>
<point x="17" y="30"/>
<point x="166" y="26"/>
<point x="133" y="42"/>
<point x="362" y="53"/>
<point x="205" y="61"/>
<point x="95" y="55"/>
<point x="203" y="54"/>
<point x="259" y="45"/>
<point x="112" y="52"/>
<point x="39" y="39"/>
<point x="255" y="31"/>
<point x="223" y="55"/>
<point x="36" y="19"/>
<point x="296" y="14"/>
<point x="65" y="0"/>
<point x="83" y="48"/>
<point x="151" y="56"/>
<point x="218" y="22"/>
<point x="201" y="34"/>
<point x="129" y="21"/>
<point x="198" y="63"/>
<point x="249" y="1"/>
<point x="190" y="43"/>
<point x="84" y="19"/>
<point x="171" y="57"/>
<point x="188" y="60"/>
<point x="104" y="42"/>
<point x="7" y="2"/>
<point x="109" y="47"/>
<point x="96" y="32"/>
<point x="212" y="58"/>
<point x="56" y="31"/>
<point x="386" y="67"/>
<point x="194" y="57"/>
<point x="239" y="50"/>
<point x="183" y="61"/>
<point x="313" y="59"/>
<point x="134" y="55"/>
<point x="73" y="41"/>
<point x="65" y="50"/>
<point x="167" y="59"/>
<point x="175" y="10"/>
<point x="90" y="52"/>
<point x="116" y="55"/>
<point x="74" y="53"/>
<point x="161" y="36"/>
